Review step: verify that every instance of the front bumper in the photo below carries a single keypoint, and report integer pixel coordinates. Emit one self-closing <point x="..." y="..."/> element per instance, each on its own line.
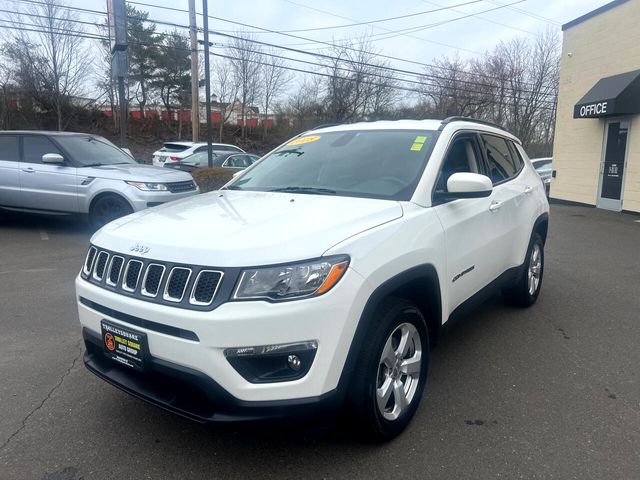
<point x="195" y="396"/>
<point x="330" y="320"/>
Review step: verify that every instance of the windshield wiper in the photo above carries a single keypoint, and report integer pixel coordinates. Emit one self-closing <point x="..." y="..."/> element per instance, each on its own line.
<point x="96" y="164"/>
<point x="312" y="190"/>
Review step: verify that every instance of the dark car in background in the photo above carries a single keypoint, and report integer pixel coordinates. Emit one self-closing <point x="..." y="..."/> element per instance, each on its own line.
<point x="231" y="160"/>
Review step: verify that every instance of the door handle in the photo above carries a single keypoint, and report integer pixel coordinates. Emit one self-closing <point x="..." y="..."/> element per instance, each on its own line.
<point x="528" y="190"/>
<point x="28" y="170"/>
<point x="495" y="205"/>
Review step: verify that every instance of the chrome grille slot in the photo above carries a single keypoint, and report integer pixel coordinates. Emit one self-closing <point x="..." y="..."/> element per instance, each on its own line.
<point x="132" y="275"/>
<point x="115" y="269"/>
<point x="176" y="284"/>
<point x="88" y="263"/>
<point x="205" y="287"/>
<point x="101" y="265"/>
<point x="152" y="280"/>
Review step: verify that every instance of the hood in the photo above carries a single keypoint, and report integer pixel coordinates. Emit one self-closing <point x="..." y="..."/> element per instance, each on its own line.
<point x="136" y="172"/>
<point x="242" y="228"/>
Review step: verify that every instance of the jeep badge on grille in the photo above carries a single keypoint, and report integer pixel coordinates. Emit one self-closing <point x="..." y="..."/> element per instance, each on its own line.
<point x="138" y="247"/>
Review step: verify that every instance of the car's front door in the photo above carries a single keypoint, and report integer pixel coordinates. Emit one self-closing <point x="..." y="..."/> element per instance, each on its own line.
<point x="468" y="223"/>
<point x="9" y="171"/>
<point x="46" y="186"/>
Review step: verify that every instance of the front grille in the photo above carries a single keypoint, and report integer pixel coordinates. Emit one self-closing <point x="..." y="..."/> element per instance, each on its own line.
<point x="184" y="286"/>
<point x="179" y="187"/>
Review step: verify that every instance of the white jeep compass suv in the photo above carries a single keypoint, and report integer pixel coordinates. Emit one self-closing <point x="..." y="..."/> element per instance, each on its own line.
<point x="319" y="278"/>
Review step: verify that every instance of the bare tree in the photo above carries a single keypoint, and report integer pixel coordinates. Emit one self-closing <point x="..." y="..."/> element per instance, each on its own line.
<point x="274" y="80"/>
<point x="52" y="61"/>
<point x="246" y="61"/>
<point x="358" y="84"/>
<point x="226" y="87"/>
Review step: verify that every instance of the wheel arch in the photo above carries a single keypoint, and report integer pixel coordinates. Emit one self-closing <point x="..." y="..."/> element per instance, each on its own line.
<point x="419" y="285"/>
<point x="541" y="226"/>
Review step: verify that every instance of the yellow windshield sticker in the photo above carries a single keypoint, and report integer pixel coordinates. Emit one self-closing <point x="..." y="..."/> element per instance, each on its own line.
<point x="303" y="140"/>
<point x="418" y="143"/>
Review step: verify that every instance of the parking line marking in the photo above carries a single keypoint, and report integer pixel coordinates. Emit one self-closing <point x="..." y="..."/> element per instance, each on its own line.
<point x="43" y="234"/>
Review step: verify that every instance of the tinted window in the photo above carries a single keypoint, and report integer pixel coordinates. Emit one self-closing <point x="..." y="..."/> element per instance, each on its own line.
<point x="360" y="163"/>
<point x="35" y="146"/>
<point x="89" y="150"/>
<point x="237" y="161"/>
<point x="502" y="164"/>
<point x="9" y="148"/>
<point x="461" y="158"/>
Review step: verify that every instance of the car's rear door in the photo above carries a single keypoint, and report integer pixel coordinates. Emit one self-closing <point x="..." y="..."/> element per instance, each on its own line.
<point x="511" y="190"/>
<point x="46" y="186"/>
<point x="9" y="171"/>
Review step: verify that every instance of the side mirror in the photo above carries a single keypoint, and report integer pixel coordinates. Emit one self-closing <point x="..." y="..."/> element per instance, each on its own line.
<point x="53" y="158"/>
<point x="467" y="185"/>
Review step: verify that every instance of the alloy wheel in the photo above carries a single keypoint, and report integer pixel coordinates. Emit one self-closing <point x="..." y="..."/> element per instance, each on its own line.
<point x="398" y="371"/>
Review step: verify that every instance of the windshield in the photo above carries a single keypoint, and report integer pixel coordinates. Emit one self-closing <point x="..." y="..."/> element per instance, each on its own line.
<point x="88" y="150"/>
<point x="360" y="163"/>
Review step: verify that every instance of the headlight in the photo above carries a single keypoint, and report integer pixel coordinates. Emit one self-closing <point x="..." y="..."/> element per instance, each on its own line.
<point x="149" y="187"/>
<point x="304" y="279"/>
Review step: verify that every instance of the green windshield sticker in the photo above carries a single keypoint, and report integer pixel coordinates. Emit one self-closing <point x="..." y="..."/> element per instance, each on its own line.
<point x="421" y="139"/>
<point x="418" y="143"/>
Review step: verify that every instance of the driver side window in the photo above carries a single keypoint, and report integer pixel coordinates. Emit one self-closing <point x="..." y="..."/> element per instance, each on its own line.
<point x="462" y="157"/>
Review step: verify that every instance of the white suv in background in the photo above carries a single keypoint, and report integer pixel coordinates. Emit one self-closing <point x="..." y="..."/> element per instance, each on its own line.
<point x="176" y="151"/>
<point x="79" y="173"/>
<point x="319" y="278"/>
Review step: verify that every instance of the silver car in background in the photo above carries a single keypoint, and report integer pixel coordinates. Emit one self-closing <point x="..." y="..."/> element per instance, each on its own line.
<point x="544" y="167"/>
<point x="59" y="172"/>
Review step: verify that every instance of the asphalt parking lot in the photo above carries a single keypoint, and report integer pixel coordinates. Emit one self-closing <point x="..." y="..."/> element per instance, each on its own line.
<point x="549" y="392"/>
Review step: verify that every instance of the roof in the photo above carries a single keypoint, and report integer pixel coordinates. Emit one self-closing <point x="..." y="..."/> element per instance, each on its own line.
<point x="417" y="125"/>
<point x="611" y="96"/>
<point x="593" y="13"/>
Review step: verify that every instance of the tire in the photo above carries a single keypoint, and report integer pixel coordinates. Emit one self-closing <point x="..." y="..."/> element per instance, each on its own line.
<point x="379" y="372"/>
<point x="108" y="208"/>
<point x="525" y="291"/>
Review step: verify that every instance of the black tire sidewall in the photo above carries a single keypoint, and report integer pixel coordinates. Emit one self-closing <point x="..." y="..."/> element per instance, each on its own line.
<point x="92" y="214"/>
<point x="398" y="312"/>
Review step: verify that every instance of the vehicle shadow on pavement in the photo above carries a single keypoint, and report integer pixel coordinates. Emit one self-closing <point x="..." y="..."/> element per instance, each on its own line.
<point x="45" y="224"/>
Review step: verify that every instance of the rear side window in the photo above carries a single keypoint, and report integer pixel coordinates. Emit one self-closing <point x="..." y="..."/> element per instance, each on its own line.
<point x="9" y="148"/>
<point x="35" y="146"/>
<point x="503" y="163"/>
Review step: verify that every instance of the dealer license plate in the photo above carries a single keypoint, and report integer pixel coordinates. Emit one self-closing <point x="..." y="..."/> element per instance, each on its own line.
<point x="124" y="345"/>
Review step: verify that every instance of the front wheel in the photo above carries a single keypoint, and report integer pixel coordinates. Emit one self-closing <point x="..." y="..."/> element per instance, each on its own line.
<point x="391" y="373"/>
<point x="525" y="291"/>
<point x="108" y="208"/>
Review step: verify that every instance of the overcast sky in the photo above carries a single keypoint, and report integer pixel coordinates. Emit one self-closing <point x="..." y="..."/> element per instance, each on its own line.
<point x="450" y="31"/>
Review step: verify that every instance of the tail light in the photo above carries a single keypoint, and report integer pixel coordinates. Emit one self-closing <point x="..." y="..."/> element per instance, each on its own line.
<point x="174" y="158"/>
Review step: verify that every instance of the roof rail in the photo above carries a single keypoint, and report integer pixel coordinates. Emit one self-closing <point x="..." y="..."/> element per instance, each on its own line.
<point x="448" y="120"/>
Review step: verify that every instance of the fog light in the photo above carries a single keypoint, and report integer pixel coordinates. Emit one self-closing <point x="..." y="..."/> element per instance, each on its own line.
<point x="294" y="362"/>
<point x="273" y="363"/>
